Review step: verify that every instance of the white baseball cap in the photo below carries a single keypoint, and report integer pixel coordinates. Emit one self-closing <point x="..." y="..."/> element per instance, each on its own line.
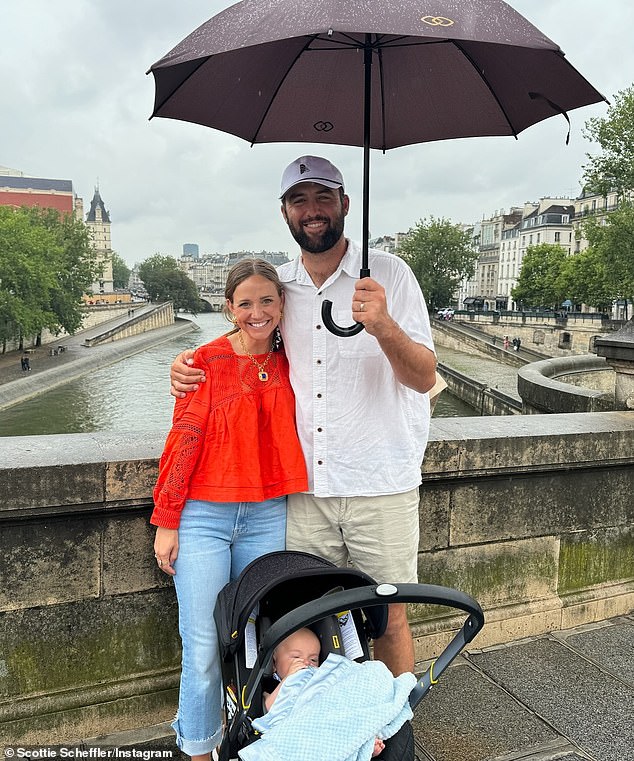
<point x="310" y="169"/>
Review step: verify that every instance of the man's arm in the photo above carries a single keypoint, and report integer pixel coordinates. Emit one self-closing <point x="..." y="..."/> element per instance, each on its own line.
<point x="184" y="377"/>
<point x="414" y="365"/>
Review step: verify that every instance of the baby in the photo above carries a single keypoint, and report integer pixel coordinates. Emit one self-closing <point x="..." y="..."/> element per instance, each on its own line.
<point x="298" y="651"/>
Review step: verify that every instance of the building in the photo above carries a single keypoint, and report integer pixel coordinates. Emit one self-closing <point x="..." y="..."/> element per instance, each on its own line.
<point x="17" y="190"/>
<point x="209" y="272"/>
<point x="98" y="224"/>
<point x="191" y="249"/>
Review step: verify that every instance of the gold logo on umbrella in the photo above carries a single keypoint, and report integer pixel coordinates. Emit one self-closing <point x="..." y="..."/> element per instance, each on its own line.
<point x="437" y="21"/>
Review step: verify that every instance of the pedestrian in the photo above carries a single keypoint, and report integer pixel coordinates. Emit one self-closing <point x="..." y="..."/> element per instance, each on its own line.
<point x="505" y="342"/>
<point x="229" y="461"/>
<point x="362" y="405"/>
<point x="518" y="343"/>
<point x="26" y="363"/>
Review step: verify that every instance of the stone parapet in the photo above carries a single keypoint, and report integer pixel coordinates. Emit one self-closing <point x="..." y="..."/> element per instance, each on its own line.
<point x="532" y="515"/>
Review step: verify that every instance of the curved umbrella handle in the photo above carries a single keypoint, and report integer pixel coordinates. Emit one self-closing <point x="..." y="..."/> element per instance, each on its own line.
<point x="326" y="316"/>
<point x="326" y="313"/>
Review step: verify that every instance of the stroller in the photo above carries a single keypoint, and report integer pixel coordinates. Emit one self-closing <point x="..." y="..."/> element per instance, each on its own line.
<point x="282" y="592"/>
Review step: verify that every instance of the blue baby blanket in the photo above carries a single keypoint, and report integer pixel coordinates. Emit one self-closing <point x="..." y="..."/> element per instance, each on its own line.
<point x="333" y="713"/>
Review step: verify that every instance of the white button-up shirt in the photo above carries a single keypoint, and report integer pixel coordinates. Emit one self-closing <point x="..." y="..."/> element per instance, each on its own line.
<point x="362" y="432"/>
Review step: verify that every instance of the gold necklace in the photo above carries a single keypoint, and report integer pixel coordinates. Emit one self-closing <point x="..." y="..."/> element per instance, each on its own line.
<point x="262" y="374"/>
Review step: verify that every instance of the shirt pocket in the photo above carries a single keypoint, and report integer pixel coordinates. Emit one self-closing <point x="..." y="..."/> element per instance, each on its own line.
<point x="360" y="345"/>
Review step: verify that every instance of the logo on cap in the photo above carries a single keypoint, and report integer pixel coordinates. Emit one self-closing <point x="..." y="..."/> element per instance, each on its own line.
<point x="303" y="168"/>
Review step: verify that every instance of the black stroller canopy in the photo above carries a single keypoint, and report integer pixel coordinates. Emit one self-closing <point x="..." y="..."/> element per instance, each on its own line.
<point x="276" y="575"/>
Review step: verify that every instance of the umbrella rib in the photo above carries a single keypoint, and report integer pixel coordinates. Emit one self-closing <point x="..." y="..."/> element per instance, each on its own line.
<point x="486" y="82"/>
<point x="277" y="89"/>
<point x="158" y="107"/>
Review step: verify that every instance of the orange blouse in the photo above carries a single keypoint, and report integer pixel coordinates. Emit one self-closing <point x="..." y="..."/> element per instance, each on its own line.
<point x="232" y="440"/>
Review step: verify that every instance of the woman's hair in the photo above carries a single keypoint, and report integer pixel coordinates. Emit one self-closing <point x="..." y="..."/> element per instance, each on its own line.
<point x="244" y="269"/>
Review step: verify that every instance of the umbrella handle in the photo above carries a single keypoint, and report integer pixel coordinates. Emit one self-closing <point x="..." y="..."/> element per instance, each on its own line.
<point x="326" y="316"/>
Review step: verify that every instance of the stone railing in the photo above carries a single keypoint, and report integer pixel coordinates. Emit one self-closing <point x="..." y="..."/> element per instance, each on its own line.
<point x="532" y="515"/>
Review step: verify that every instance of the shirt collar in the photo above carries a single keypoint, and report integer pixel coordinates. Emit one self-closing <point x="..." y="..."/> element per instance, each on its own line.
<point x="350" y="264"/>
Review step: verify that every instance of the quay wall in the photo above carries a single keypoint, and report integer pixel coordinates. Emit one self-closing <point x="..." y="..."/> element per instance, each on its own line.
<point x="486" y="400"/>
<point x="532" y="515"/>
<point x="160" y="316"/>
<point x="552" y="336"/>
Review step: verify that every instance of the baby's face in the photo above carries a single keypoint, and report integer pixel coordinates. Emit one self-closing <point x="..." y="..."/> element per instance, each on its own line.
<point x="302" y="647"/>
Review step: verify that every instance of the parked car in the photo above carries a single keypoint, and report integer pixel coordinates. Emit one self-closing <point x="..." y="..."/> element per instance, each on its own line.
<point x="445" y="314"/>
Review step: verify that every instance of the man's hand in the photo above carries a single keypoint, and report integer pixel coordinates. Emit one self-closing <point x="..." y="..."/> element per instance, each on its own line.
<point x="369" y="306"/>
<point x="414" y="365"/>
<point x="183" y="377"/>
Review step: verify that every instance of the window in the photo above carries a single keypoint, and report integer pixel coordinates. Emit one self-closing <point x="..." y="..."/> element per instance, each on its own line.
<point x="557" y="237"/>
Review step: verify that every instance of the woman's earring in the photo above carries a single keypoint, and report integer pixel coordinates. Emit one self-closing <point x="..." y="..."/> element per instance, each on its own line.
<point x="234" y="319"/>
<point x="281" y="314"/>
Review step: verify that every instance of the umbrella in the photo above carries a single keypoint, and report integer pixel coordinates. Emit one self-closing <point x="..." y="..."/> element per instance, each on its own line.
<point x="369" y="73"/>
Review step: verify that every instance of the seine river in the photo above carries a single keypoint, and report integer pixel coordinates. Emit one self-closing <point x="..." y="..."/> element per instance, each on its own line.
<point x="132" y="395"/>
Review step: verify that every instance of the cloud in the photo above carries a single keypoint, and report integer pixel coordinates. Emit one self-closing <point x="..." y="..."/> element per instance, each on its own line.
<point x="77" y="100"/>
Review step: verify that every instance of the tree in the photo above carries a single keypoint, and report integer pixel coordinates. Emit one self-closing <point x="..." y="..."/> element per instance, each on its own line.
<point x="612" y="242"/>
<point x="120" y="272"/>
<point x="585" y="280"/>
<point x="164" y="281"/>
<point x="46" y="264"/>
<point x="440" y="255"/>
<point x="541" y="280"/>
<point x="614" y="168"/>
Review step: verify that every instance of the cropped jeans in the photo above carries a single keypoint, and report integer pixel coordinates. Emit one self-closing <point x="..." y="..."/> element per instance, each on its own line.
<point x="216" y="541"/>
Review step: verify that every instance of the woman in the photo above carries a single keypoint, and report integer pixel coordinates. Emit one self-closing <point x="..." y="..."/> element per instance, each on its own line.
<point x="229" y="460"/>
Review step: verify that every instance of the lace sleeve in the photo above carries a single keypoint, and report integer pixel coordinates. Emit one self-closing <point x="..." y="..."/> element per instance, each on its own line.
<point x="180" y="456"/>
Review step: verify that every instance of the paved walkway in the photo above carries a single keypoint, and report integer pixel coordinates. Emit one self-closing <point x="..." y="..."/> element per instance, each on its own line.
<point x="567" y="696"/>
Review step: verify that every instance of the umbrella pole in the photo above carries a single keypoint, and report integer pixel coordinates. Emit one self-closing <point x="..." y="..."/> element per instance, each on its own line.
<point x="367" y="112"/>
<point x="326" y="307"/>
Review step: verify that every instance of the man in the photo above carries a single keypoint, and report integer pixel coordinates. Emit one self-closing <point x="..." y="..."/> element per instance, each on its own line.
<point x="361" y="402"/>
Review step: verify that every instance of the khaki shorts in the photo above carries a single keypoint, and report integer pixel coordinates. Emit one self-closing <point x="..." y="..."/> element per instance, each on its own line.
<point x="377" y="535"/>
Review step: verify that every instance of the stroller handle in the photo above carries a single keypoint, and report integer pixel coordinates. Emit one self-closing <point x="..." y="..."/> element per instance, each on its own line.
<point x="368" y="596"/>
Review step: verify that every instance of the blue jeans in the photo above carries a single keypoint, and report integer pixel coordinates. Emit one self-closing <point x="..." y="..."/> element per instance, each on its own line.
<point x="216" y="541"/>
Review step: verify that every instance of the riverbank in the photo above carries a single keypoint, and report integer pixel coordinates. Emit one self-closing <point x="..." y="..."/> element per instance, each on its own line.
<point x="49" y="370"/>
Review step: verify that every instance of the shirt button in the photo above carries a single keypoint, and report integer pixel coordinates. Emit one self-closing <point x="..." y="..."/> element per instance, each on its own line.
<point x="319" y="430"/>
<point x="318" y="327"/>
<point x="318" y="396"/>
<point x="320" y="462"/>
<point x="319" y="361"/>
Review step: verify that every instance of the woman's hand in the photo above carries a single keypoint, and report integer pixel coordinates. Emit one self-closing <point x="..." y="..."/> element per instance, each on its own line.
<point x="166" y="549"/>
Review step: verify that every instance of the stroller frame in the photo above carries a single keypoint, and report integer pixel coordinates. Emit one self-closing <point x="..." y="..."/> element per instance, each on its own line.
<point x="363" y="597"/>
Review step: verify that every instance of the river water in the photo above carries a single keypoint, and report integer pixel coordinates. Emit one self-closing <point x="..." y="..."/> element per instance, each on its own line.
<point x="132" y="395"/>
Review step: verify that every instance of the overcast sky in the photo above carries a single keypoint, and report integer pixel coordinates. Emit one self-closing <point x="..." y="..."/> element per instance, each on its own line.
<point x="75" y="102"/>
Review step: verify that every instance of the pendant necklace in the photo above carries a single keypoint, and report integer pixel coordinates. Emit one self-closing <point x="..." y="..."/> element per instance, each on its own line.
<point x="262" y="374"/>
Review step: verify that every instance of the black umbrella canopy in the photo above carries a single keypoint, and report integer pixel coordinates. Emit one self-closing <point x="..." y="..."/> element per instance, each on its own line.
<point x="376" y="73"/>
<point x="290" y="71"/>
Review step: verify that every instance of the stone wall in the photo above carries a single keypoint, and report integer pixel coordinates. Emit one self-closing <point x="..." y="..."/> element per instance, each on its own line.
<point x="531" y="515"/>
<point x="161" y="316"/>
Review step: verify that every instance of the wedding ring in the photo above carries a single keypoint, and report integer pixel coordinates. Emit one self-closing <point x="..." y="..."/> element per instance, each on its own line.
<point x="362" y="306"/>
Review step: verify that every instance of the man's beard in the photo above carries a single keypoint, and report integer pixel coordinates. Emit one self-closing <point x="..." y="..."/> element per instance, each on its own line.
<point x="325" y="241"/>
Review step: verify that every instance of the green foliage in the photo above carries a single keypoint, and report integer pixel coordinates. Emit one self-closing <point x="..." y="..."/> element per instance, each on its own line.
<point x="46" y="264"/>
<point x="440" y="255"/>
<point x="120" y="272"/>
<point x="612" y="243"/>
<point x="541" y="281"/>
<point x="164" y="281"/>
<point x="614" y="168"/>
